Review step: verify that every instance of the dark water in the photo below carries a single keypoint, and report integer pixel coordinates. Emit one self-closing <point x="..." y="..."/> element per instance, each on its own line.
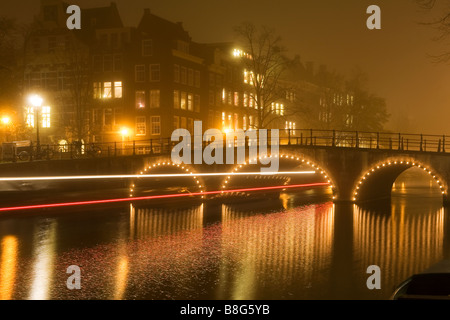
<point x="294" y="247"/>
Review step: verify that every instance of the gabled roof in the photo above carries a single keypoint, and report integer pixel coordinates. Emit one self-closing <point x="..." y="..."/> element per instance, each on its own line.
<point x="151" y="23"/>
<point x="101" y="18"/>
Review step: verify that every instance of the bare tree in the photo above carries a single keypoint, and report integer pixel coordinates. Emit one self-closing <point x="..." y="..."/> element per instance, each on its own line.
<point x="263" y="56"/>
<point x="441" y="23"/>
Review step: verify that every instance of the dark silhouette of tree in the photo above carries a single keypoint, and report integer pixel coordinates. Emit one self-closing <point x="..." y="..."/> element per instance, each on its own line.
<point x="264" y="58"/>
<point x="441" y="23"/>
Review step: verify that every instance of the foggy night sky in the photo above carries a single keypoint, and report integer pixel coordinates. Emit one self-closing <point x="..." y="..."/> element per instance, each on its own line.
<point x="324" y="31"/>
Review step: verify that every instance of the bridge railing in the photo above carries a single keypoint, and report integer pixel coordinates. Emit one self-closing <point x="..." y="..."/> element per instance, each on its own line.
<point x="366" y="140"/>
<point x="299" y="137"/>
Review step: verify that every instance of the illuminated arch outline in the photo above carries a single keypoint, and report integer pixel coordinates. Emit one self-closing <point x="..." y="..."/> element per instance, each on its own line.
<point x="182" y="167"/>
<point x="389" y="163"/>
<point x="302" y="160"/>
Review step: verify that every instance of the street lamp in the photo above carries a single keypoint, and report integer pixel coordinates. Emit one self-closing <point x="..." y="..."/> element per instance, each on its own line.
<point x="36" y="101"/>
<point x="124" y="132"/>
<point x="6" y="120"/>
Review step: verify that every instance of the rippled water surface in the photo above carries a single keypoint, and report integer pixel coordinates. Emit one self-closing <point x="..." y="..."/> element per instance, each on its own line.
<point x="262" y="249"/>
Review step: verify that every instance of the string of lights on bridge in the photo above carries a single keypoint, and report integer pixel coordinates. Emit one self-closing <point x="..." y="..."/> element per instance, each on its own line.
<point x="383" y="165"/>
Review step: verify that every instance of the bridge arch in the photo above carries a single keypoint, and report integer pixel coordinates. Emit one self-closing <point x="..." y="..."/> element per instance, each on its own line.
<point x="302" y="160"/>
<point x="377" y="182"/>
<point x="182" y="168"/>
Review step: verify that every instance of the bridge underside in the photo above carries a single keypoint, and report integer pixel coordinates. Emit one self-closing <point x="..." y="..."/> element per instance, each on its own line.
<point x="378" y="186"/>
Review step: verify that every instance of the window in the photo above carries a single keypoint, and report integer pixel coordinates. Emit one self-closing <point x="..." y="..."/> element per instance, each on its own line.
<point x="245" y="99"/>
<point x="176" y="73"/>
<point x="140" y="99"/>
<point x="147" y="48"/>
<point x="97" y="63"/>
<point x="108" y="63"/>
<point x="140" y="73"/>
<point x="108" y="117"/>
<point x="176" y="99"/>
<point x="183" y="123"/>
<point x="117" y="62"/>
<point x="117" y="116"/>
<point x="97" y="90"/>
<point x="156" y="125"/>
<point x="176" y="122"/>
<point x="211" y="98"/>
<point x="96" y="117"/>
<point x="212" y="80"/>
<point x="190" y="125"/>
<point x="118" y="91"/>
<point x="197" y="103"/>
<point x="141" y="126"/>
<point x="244" y="122"/>
<point x="154" y="98"/>
<point x="155" y="72"/>
<point x="183" y="75"/>
<point x="230" y="97"/>
<point x="183" y="100"/>
<point x="190" y="102"/>
<point x="236" y="99"/>
<point x="30" y="117"/>
<point x="114" y="40"/>
<point x="197" y="79"/>
<point x="107" y="90"/>
<point x="46" y="117"/>
<point x="191" y="77"/>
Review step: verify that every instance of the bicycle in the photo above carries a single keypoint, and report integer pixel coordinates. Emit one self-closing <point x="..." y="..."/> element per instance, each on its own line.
<point x="42" y="154"/>
<point x="91" y="150"/>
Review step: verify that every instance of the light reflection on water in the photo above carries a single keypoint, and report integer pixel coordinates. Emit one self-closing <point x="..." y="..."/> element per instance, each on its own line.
<point x="267" y="249"/>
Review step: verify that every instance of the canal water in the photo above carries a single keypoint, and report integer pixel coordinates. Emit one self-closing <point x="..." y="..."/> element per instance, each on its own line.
<point x="297" y="246"/>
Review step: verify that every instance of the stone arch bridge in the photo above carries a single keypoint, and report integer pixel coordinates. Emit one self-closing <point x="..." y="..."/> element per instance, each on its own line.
<point x="359" y="166"/>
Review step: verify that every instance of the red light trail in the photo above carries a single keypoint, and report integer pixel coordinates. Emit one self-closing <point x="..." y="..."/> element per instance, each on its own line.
<point x="167" y="196"/>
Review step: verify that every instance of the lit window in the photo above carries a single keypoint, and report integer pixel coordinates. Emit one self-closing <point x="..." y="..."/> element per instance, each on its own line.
<point x="156" y="125"/>
<point x="118" y="91"/>
<point x="244" y="123"/>
<point x="97" y="90"/>
<point x="224" y="95"/>
<point x="245" y="99"/>
<point x="140" y="99"/>
<point x="30" y="117"/>
<point x="154" y="98"/>
<point x="190" y="102"/>
<point x="46" y="117"/>
<point x="107" y="90"/>
<point x="141" y="126"/>
<point x="282" y="110"/>
<point x="155" y="72"/>
<point x="183" y="100"/>
<point x="236" y="99"/>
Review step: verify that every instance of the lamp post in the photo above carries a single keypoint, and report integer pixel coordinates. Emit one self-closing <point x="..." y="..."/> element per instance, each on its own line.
<point x="36" y="102"/>
<point x="124" y="132"/>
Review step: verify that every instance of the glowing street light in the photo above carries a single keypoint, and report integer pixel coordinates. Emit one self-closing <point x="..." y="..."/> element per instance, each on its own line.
<point x="36" y="101"/>
<point x="124" y="132"/>
<point x="6" y="120"/>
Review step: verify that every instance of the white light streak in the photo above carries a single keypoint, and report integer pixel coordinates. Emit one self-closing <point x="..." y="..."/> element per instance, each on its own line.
<point x="149" y="176"/>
